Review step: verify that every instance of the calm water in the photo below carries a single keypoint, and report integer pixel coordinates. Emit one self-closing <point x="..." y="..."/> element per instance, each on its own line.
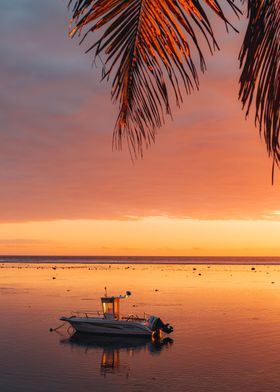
<point x="226" y="328"/>
<point x="143" y="259"/>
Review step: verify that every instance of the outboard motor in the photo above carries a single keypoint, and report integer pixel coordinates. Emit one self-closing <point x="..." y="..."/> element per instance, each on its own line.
<point x="156" y="324"/>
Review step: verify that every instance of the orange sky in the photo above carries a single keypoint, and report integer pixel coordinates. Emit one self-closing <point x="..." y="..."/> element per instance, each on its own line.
<point x="148" y="236"/>
<point x="204" y="188"/>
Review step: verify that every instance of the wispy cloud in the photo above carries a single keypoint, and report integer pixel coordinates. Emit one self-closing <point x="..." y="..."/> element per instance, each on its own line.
<point x="24" y="242"/>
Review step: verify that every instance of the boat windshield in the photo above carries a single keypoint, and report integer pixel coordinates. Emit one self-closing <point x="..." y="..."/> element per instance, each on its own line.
<point x="111" y="307"/>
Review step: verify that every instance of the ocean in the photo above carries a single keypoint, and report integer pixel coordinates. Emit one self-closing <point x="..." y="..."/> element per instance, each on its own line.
<point x="226" y="326"/>
<point x="143" y="259"/>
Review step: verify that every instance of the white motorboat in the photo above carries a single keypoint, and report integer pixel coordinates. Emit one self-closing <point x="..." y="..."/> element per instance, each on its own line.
<point x="109" y="321"/>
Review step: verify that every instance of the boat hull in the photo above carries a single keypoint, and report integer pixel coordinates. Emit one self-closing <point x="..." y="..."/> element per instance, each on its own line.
<point x="108" y="327"/>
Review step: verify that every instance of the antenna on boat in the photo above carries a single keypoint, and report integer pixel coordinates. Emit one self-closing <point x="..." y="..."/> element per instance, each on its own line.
<point x="105" y="288"/>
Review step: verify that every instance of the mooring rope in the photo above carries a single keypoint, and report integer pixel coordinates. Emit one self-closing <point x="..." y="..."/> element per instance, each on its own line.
<point x="55" y="329"/>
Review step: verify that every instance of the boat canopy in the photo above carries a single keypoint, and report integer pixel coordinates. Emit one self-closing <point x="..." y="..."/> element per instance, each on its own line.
<point x="111" y="307"/>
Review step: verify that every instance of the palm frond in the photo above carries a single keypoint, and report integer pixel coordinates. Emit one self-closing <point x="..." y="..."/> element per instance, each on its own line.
<point x="260" y="78"/>
<point x="146" y="44"/>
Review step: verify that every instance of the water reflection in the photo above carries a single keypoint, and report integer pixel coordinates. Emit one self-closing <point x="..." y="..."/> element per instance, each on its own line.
<point x="226" y="338"/>
<point x="115" y="348"/>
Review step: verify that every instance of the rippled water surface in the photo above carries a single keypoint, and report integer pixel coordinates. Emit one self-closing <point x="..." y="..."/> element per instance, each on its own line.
<point x="226" y="328"/>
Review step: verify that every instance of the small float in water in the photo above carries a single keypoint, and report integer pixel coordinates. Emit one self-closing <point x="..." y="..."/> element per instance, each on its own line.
<point x="110" y="322"/>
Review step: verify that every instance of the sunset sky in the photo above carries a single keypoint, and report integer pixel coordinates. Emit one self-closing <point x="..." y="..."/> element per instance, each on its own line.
<point x="204" y="188"/>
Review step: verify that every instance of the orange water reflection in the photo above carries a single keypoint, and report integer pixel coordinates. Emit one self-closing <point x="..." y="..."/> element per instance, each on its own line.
<point x="226" y="327"/>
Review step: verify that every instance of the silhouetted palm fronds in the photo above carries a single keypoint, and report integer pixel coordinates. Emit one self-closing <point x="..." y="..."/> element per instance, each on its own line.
<point x="146" y="42"/>
<point x="260" y="78"/>
<point x="147" y="47"/>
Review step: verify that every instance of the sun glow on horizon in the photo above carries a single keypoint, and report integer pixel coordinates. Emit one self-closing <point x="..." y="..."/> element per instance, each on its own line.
<point x="150" y="236"/>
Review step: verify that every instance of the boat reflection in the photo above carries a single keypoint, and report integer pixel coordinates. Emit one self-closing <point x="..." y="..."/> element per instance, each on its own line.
<point x="113" y="346"/>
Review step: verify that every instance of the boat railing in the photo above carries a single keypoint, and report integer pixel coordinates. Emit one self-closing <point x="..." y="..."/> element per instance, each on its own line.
<point x="87" y="313"/>
<point x="135" y="317"/>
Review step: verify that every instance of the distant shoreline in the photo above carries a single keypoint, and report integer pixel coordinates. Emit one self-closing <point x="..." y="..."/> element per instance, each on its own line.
<point x="143" y="260"/>
<point x="149" y="264"/>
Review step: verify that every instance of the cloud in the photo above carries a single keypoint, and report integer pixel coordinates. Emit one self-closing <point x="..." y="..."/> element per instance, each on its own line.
<point x="24" y="242"/>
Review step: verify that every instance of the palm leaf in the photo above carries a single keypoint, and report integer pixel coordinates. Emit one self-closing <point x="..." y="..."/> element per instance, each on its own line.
<point x="260" y="78"/>
<point x="147" y="44"/>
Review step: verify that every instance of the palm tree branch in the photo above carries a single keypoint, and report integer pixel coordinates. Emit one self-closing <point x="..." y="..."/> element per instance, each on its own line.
<point x="260" y="78"/>
<point x="145" y="44"/>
